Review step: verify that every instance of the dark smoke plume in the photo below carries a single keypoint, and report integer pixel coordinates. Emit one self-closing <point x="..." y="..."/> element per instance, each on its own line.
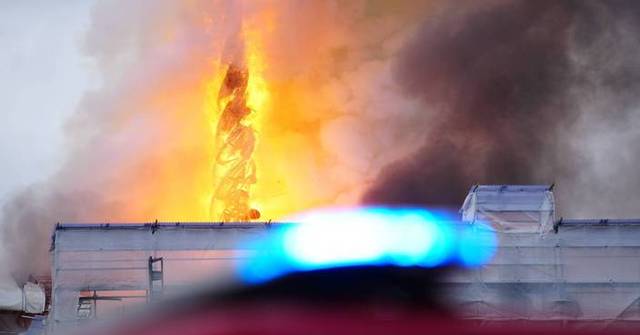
<point x="512" y="84"/>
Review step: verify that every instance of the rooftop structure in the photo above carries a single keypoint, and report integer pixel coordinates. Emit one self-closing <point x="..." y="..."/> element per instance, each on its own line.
<point x="524" y="208"/>
<point x="570" y="271"/>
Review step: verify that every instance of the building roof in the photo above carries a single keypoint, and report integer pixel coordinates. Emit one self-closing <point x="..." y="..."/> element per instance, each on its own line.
<point x="83" y="234"/>
<point x="162" y="225"/>
<point x="509" y="198"/>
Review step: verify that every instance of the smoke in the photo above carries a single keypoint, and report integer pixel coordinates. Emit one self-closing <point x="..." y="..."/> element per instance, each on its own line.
<point x="139" y="146"/>
<point x="386" y="102"/>
<point x="523" y="92"/>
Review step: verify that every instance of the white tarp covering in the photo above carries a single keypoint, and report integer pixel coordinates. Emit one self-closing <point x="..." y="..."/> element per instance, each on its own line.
<point x="114" y="260"/>
<point x="511" y="208"/>
<point x="10" y="294"/>
<point x="33" y="298"/>
<point x="29" y="299"/>
<point x="586" y="272"/>
<point x="576" y="271"/>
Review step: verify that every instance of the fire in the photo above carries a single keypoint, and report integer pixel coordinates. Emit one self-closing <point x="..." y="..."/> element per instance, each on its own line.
<point x="234" y="170"/>
<point x="285" y="143"/>
<point x="287" y="167"/>
<point x="243" y="94"/>
<point x="322" y="117"/>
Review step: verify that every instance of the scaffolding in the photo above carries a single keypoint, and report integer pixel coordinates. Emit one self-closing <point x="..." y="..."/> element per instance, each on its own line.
<point x="572" y="272"/>
<point x="512" y="208"/>
<point x="101" y="270"/>
<point x="565" y="271"/>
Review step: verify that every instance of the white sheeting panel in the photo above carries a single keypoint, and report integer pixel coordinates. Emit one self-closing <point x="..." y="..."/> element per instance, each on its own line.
<point x="33" y="298"/>
<point x="30" y="298"/>
<point x="165" y="238"/>
<point x="511" y="208"/>
<point x="584" y="272"/>
<point x="10" y="294"/>
<point x="115" y="258"/>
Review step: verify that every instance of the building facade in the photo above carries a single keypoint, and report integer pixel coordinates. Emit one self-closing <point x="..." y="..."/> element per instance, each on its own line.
<point x="573" y="272"/>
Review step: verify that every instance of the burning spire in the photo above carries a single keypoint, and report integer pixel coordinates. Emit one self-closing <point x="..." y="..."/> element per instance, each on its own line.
<point x="234" y="168"/>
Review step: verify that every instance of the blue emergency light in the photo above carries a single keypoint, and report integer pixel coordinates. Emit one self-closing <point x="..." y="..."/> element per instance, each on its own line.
<point x="370" y="236"/>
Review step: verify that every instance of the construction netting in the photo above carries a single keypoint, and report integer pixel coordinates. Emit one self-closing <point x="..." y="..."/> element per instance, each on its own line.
<point x="99" y="270"/>
<point x="29" y="298"/>
<point x="523" y="208"/>
<point x="585" y="271"/>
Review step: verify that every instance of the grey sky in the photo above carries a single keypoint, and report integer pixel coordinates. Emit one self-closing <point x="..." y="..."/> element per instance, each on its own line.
<point x="43" y="74"/>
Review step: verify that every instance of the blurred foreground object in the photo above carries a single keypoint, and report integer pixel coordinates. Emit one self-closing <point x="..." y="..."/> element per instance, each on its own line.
<point x="370" y="236"/>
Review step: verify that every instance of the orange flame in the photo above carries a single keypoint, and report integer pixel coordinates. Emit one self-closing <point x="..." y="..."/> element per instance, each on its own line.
<point x="312" y="141"/>
<point x="243" y="94"/>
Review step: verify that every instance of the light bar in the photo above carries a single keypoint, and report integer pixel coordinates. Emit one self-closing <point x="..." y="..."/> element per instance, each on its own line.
<point x="371" y="236"/>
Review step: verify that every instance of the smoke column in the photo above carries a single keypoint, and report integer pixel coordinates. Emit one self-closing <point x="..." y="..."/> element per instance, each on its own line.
<point x="399" y="102"/>
<point x="523" y="92"/>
